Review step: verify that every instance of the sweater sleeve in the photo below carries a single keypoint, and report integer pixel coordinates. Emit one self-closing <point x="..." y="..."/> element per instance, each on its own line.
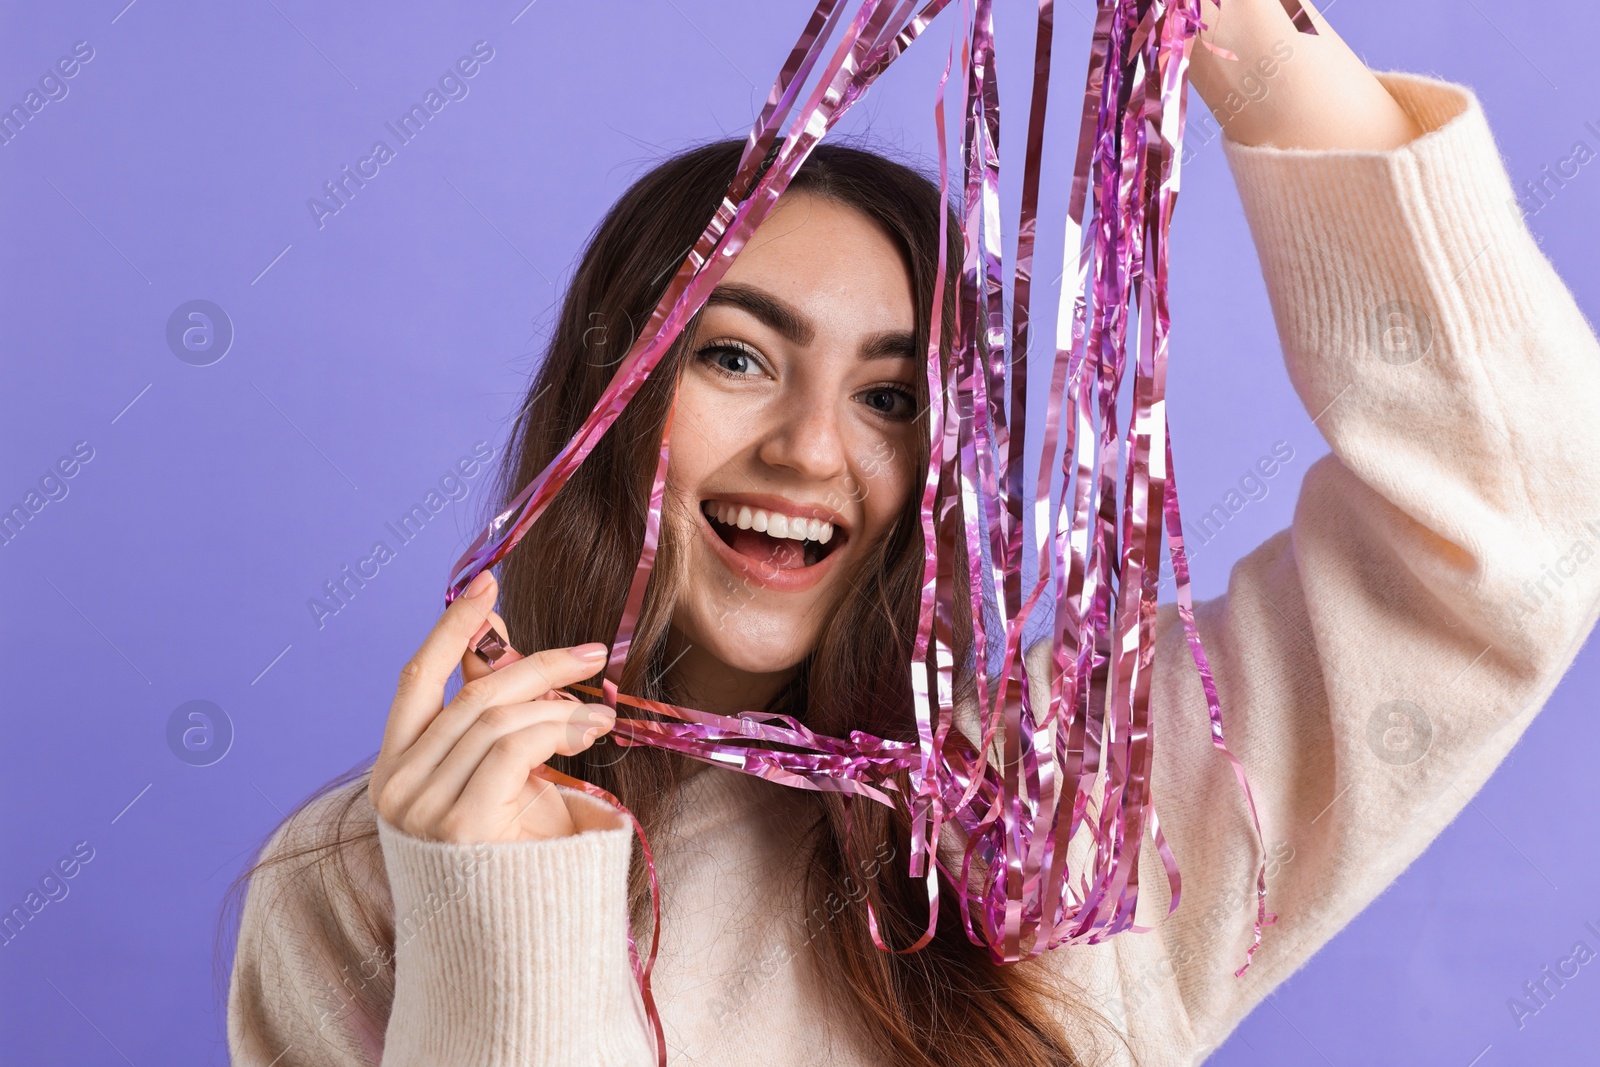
<point x="1379" y="658"/>
<point x="529" y="965"/>
<point x="501" y="954"/>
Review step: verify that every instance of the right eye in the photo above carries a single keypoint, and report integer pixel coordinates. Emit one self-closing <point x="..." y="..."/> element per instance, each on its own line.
<point x="730" y="358"/>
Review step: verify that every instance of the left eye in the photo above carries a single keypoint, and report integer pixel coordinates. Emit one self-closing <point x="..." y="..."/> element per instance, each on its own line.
<point x="891" y="403"/>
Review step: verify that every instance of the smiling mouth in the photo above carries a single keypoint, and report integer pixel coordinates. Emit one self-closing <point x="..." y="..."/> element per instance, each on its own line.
<point x="772" y="539"/>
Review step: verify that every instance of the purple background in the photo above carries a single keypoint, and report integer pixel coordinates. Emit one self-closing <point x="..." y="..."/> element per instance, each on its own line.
<point x="371" y="354"/>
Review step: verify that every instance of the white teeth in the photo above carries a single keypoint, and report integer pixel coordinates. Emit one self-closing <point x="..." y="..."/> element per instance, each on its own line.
<point x="774" y="524"/>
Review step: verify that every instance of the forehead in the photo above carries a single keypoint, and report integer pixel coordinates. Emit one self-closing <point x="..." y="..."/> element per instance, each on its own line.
<point x="833" y="263"/>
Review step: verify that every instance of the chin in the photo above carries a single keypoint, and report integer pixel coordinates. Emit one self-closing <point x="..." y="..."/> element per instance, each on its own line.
<point x="748" y="637"/>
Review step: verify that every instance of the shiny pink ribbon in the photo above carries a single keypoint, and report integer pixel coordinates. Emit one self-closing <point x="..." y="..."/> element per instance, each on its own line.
<point x="1019" y="793"/>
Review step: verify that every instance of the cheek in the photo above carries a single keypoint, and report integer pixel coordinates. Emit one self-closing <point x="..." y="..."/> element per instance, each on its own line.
<point x="707" y="429"/>
<point x="694" y="446"/>
<point x="885" y="481"/>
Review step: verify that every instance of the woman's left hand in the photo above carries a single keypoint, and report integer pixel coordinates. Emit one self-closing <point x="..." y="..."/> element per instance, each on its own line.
<point x="1290" y="89"/>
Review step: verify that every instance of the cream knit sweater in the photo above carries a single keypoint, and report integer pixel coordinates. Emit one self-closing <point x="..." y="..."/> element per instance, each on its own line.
<point x="1376" y="662"/>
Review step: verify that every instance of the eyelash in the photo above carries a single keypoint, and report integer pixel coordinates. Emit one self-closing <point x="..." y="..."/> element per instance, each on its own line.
<point x="707" y="354"/>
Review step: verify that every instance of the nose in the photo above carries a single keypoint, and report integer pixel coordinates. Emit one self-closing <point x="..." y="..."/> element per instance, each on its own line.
<point x="808" y="440"/>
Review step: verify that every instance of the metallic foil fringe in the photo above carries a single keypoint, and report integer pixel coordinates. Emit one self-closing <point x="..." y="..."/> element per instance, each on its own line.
<point x="1016" y="797"/>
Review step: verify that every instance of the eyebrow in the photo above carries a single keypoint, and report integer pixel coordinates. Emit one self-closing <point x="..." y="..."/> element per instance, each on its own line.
<point x="787" y="320"/>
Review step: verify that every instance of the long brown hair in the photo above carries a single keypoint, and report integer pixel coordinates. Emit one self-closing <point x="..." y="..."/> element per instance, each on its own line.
<point x="946" y="1004"/>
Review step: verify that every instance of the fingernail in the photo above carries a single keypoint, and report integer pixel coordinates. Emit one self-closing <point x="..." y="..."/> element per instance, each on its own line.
<point x="590" y="653"/>
<point x="479" y="583"/>
<point x="602" y="718"/>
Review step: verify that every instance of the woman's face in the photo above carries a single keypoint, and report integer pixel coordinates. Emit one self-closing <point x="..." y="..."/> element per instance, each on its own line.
<point x="793" y="439"/>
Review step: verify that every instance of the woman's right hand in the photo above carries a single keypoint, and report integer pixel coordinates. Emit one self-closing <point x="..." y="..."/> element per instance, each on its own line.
<point x="463" y="772"/>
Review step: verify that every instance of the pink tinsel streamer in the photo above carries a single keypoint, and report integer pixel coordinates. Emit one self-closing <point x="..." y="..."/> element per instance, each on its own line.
<point x="1019" y="793"/>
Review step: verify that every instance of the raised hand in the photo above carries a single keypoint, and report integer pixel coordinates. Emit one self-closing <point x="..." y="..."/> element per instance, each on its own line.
<point x="463" y="771"/>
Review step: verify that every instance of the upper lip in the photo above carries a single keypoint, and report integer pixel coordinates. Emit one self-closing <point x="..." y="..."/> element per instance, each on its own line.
<point x="784" y="506"/>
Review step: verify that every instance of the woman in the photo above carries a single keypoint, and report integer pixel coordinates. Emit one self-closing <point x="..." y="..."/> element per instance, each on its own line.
<point x="443" y="907"/>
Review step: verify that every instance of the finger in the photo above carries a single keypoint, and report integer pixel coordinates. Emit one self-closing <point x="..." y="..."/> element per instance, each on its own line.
<point x="419" y="694"/>
<point x="448" y="752"/>
<point x="505" y="768"/>
<point x="500" y="768"/>
<point x="526" y="681"/>
<point x="533" y="677"/>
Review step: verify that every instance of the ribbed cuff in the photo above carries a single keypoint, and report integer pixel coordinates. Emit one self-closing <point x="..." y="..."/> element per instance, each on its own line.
<point x="511" y="953"/>
<point x="1411" y="238"/>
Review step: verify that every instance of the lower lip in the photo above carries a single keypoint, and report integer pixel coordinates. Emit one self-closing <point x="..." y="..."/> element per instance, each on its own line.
<point x="791" y="581"/>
